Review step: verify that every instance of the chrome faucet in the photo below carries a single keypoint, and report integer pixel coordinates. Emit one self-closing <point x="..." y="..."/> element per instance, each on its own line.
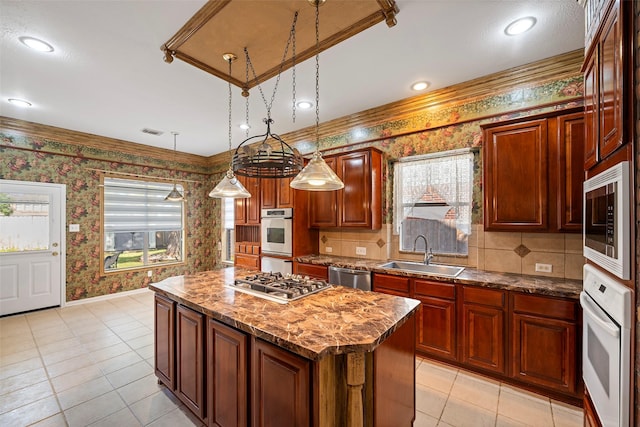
<point x="428" y="254"/>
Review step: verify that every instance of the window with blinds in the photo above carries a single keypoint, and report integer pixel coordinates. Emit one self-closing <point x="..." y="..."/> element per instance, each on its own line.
<point x="228" y="234"/>
<point x="140" y="228"/>
<point x="433" y="197"/>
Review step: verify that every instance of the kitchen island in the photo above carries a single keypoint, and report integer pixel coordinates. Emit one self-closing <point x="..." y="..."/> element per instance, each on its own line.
<point x="337" y="357"/>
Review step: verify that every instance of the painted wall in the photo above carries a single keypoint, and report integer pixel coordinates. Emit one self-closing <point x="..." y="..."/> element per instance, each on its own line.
<point x="26" y="158"/>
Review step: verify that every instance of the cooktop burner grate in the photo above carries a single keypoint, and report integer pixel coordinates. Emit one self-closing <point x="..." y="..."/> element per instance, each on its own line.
<point x="278" y="287"/>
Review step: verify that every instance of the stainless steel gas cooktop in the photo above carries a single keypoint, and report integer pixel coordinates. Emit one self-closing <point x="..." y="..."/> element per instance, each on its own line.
<point x="278" y="287"/>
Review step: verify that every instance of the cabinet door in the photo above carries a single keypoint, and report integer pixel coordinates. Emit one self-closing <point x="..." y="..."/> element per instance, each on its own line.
<point x="323" y="205"/>
<point x="516" y="177"/>
<point x="437" y="327"/>
<point x="189" y="359"/>
<point x="354" y="206"/>
<point x="227" y="393"/>
<point x="280" y="387"/>
<point x="284" y="193"/>
<point x="164" y="341"/>
<point x="543" y="352"/>
<point x="610" y="84"/>
<point x="483" y="337"/>
<point x="268" y="190"/>
<point x="311" y="270"/>
<point x="570" y="151"/>
<point x="591" y="117"/>
<point x="253" y="204"/>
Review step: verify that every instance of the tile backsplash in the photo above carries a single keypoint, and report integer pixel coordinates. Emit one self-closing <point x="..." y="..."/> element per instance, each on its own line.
<point x="505" y="252"/>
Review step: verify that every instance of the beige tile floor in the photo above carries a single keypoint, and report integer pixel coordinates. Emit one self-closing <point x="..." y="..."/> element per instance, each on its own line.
<point x="92" y="364"/>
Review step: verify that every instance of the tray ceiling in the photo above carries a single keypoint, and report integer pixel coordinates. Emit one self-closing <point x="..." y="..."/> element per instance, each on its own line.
<point x="228" y="26"/>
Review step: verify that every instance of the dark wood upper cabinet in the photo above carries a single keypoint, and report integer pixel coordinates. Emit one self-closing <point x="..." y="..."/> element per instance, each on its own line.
<point x="281" y="387"/>
<point x="608" y="79"/>
<point x="359" y="203"/>
<point x="533" y="173"/>
<point x="164" y="341"/>
<point x="248" y="210"/>
<point x="190" y="359"/>
<point x="227" y="380"/>
<point x="516" y="176"/>
<point x="569" y="175"/>
<point x="276" y="193"/>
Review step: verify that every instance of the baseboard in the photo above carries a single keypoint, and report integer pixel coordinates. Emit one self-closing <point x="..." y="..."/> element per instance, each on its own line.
<point x="106" y="297"/>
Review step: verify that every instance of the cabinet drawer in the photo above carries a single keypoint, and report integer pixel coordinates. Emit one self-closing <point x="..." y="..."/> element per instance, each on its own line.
<point x="251" y="261"/>
<point x="312" y="270"/>
<point x="435" y="289"/>
<point x="394" y="283"/>
<point x="545" y="306"/>
<point x="490" y="297"/>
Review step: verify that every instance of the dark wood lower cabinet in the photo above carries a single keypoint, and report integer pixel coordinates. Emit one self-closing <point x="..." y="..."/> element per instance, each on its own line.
<point x="190" y="359"/>
<point x="227" y="393"/>
<point x="483" y="329"/>
<point x="280" y="387"/>
<point x="437" y="326"/>
<point x="311" y="270"/>
<point x="164" y="318"/>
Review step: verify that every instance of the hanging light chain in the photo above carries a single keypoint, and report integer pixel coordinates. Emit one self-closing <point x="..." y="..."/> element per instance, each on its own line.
<point x="317" y="76"/>
<point x="293" y="75"/>
<point x="229" y="82"/>
<point x="246" y="99"/>
<point x="284" y="57"/>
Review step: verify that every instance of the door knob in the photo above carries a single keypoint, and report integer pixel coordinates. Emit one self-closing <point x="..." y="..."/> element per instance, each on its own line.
<point x="54" y="253"/>
<point x="55" y="245"/>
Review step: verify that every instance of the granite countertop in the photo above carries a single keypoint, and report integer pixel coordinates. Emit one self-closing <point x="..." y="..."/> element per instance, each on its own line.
<point x="335" y="321"/>
<point x="541" y="285"/>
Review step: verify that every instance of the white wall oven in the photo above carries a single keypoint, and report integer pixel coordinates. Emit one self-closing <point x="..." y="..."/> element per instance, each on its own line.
<point x="276" y="231"/>
<point x="606" y="346"/>
<point x="606" y="220"/>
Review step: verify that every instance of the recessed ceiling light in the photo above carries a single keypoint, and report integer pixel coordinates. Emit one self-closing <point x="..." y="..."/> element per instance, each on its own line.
<point x="520" y="26"/>
<point x="19" y="102"/>
<point x="420" y="85"/>
<point x="36" y="44"/>
<point x="244" y="126"/>
<point x="304" y="105"/>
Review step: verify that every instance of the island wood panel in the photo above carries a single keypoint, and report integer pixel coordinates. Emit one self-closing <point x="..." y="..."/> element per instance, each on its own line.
<point x="394" y="385"/>
<point x="281" y="394"/>
<point x="227" y="361"/>
<point x="483" y="328"/>
<point x="190" y="369"/>
<point x="164" y="335"/>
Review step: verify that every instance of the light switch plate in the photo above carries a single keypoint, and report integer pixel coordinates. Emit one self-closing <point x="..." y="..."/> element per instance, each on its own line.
<point x="360" y="250"/>
<point x="74" y="228"/>
<point x="328" y="249"/>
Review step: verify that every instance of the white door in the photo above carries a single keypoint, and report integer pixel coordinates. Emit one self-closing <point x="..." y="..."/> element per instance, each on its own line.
<point x="32" y="246"/>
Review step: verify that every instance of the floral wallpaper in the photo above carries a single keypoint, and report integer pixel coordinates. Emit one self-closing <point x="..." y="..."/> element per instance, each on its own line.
<point x="34" y="159"/>
<point x="445" y="127"/>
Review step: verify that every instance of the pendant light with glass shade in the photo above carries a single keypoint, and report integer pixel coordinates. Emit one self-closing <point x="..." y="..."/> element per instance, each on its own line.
<point x="175" y="195"/>
<point x="317" y="175"/>
<point x="230" y="186"/>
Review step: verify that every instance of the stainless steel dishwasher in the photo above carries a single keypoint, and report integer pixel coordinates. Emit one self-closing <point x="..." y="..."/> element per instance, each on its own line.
<point x="357" y="279"/>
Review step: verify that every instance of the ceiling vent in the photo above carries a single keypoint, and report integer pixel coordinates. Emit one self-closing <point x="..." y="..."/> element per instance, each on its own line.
<point x="152" y="131"/>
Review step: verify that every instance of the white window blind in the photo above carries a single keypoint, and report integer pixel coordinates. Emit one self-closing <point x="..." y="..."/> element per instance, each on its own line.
<point x="138" y="206"/>
<point x="229" y="212"/>
<point x="432" y="196"/>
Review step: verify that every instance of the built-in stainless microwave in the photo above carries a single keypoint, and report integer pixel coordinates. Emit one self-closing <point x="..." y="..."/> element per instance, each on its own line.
<point x="606" y="220"/>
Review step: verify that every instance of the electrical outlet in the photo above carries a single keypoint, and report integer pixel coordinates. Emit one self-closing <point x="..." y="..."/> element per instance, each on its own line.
<point x="360" y="250"/>
<point x="74" y="228"/>
<point x="328" y="249"/>
<point x="149" y="273"/>
<point x="544" y="268"/>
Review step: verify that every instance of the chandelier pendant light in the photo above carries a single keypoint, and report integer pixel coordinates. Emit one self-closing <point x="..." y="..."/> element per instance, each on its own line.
<point x="230" y="186"/>
<point x="175" y="195"/>
<point x="317" y="175"/>
<point x="267" y="155"/>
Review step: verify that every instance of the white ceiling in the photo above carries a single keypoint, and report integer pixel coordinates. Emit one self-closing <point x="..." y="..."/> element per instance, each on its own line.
<point x="107" y="75"/>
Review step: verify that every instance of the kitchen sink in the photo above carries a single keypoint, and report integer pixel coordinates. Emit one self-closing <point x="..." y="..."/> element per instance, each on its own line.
<point x="433" y="269"/>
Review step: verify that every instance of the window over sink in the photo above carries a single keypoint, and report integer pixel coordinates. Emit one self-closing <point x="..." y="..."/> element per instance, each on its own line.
<point x="433" y="197"/>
